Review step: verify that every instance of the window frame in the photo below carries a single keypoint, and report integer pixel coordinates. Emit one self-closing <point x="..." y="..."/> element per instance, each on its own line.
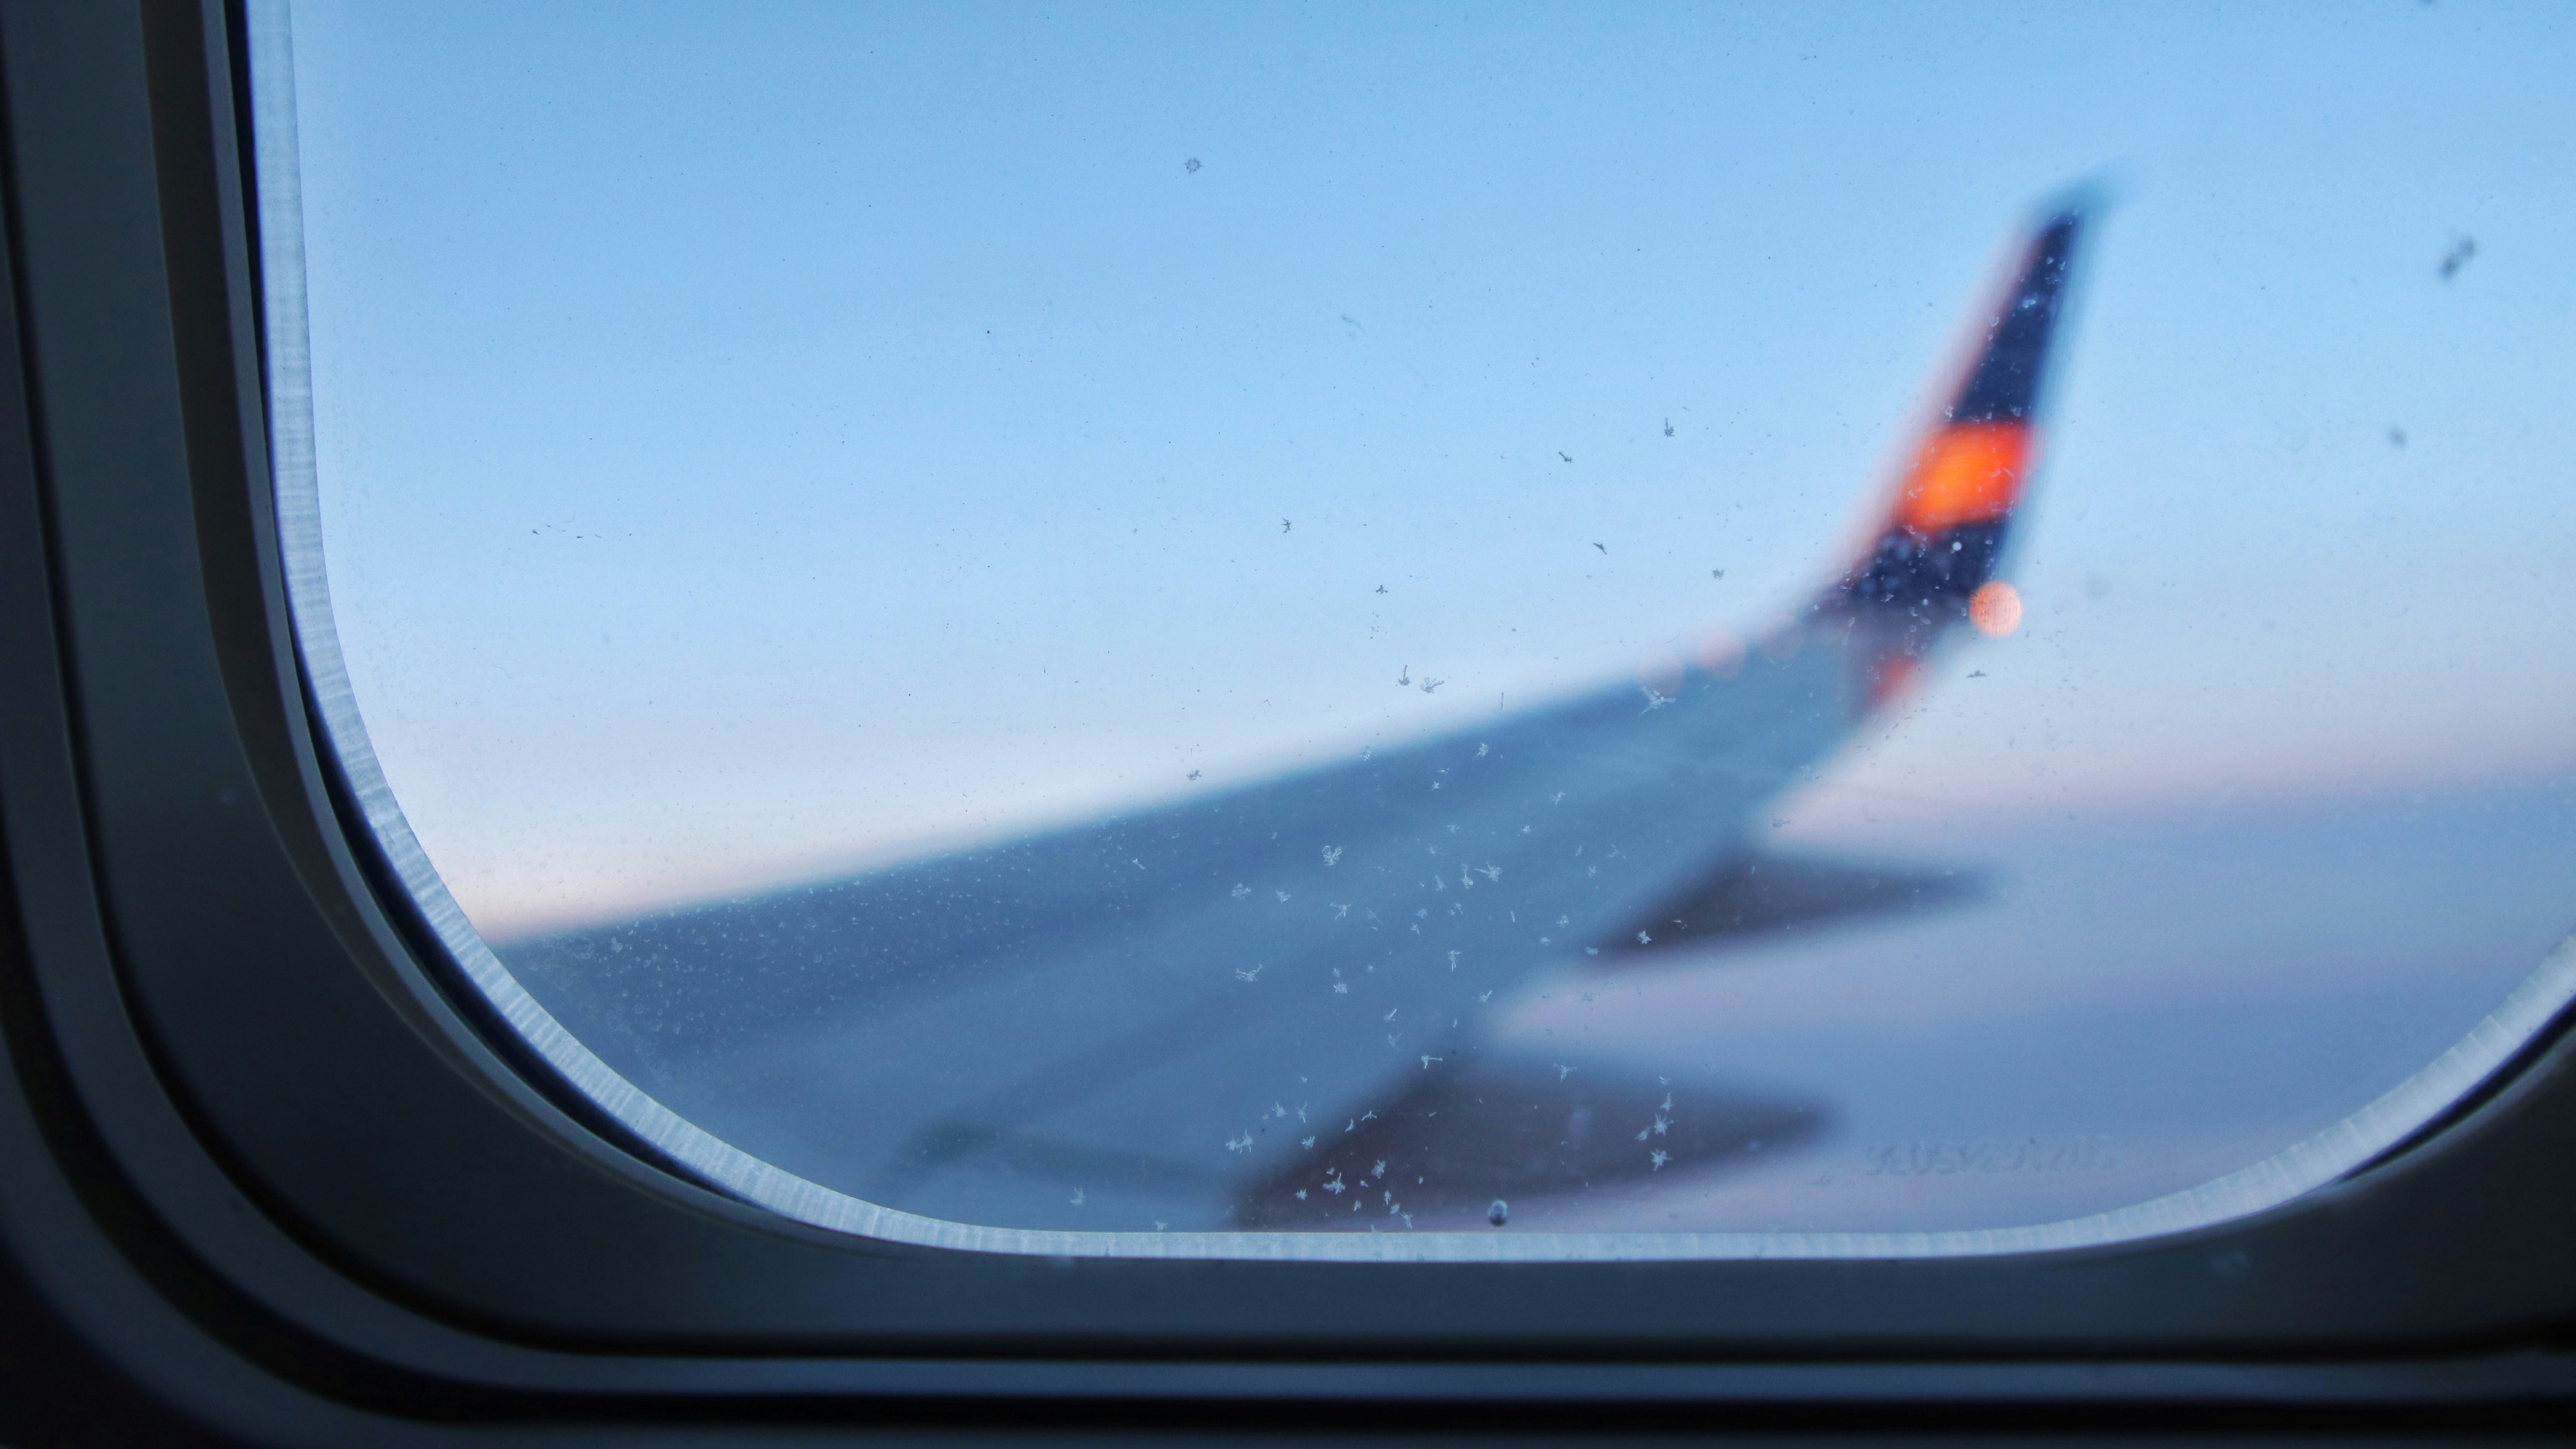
<point x="223" y="1016"/>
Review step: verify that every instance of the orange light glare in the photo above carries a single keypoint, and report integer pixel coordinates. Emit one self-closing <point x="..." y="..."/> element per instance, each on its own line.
<point x="1995" y="609"/>
<point x="1970" y="473"/>
<point x="1892" y="680"/>
<point x="1662" y="673"/>
<point x="1721" y="654"/>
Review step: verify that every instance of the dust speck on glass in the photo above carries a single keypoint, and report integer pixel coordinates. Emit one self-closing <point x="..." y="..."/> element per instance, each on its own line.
<point x="1581" y="635"/>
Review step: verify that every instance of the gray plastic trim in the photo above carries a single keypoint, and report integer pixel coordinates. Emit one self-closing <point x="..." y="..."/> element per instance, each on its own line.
<point x="2308" y="1164"/>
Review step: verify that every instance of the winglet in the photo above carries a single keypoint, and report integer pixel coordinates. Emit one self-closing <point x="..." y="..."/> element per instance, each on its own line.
<point x="1944" y="531"/>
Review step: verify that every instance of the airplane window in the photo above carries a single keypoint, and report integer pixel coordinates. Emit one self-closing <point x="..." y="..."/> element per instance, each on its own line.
<point x="1431" y="633"/>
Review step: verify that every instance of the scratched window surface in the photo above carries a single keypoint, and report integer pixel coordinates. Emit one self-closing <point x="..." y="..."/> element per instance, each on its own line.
<point x="1519" y="623"/>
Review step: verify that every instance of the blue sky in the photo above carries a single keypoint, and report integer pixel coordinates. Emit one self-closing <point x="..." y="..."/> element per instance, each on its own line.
<point x="759" y="440"/>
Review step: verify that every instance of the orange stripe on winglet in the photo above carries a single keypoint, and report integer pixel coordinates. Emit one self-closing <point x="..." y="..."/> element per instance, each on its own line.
<point x="1970" y="473"/>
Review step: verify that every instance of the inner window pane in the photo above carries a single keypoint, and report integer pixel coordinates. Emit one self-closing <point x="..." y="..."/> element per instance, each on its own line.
<point x="1522" y="625"/>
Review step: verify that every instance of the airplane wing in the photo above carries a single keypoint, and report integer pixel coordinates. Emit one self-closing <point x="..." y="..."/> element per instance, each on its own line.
<point x="1166" y="1015"/>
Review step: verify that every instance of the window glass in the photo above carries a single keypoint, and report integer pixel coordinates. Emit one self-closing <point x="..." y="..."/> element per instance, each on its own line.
<point x="1552" y="632"/>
